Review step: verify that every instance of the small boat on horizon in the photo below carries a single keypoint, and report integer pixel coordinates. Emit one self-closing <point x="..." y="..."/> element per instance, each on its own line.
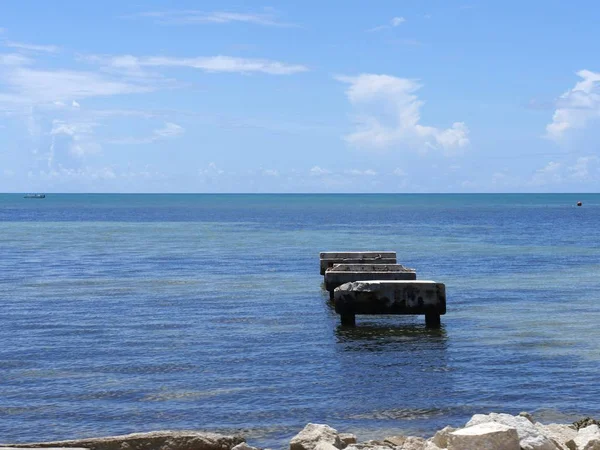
<point x="34" y="196"/>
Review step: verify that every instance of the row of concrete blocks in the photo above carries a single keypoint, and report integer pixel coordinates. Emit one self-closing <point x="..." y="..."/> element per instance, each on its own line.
<point x="373" y="283"/>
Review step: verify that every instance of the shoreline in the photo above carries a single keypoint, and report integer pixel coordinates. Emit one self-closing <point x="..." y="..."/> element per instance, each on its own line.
<point x="494" y="431"/>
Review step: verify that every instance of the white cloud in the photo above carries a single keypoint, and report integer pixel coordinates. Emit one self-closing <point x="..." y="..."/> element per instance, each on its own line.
<point x="211" y="170"/>
<point x="32" y="47"/>
<point x="549" y="174"/>
<point x="270" y="172"/>
<point x="317" y="171"/>
<point x="168" y="131"/>
<point x="576" y="107"/>
<point x="356" y="172"/>
<point x="394" y="22"/>
<point x="62" y="173"/>
<point x="399" y="172"/>
<point x="81" y="136"/>
<point x="389" y="115"/>
<point x="75" y="104"/>
<point x="585" y="168"/>
<point x="33" y="86"/>
<point x="208" y="64"/>
<point x="14" y="59"/>
<point x="194" y="17"/>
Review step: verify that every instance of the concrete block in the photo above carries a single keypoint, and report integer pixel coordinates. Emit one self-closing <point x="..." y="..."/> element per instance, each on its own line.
<point x="391" y="297"/>
<point x="328" y="259"/>
<point x="345" y="273"/>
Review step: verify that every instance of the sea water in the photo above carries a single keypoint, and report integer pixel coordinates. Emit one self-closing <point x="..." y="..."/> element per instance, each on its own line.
<point x="126" y="313"/>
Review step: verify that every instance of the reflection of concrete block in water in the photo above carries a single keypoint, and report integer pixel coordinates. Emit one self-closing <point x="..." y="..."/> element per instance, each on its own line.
<point x="345" y="273"/>
<point x="328" y="259"/>
<point x="391" y="297"/>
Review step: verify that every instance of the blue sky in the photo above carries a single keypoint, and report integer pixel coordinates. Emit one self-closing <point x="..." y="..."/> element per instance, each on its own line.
<point x="328" y="96"/>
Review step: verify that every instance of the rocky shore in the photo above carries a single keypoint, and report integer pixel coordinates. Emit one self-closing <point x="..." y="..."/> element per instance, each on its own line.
<point x="483" y="432"/>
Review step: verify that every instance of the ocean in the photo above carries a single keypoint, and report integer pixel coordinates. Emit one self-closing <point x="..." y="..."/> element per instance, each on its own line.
<point x="127" y="313"/>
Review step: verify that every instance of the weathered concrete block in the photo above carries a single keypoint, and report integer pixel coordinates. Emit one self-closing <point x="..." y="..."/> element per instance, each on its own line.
<point x="328" y="259"/>
<point x="390" y="297"/>
<point x="315" y="434"/>
<point x="156" y="440"/>
<point x="346" y="273"/>
<point x="485" y="436"/>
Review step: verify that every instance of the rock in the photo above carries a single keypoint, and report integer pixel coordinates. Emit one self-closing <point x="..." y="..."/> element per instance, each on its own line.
<point x="529" y="436"/>
<point x="558" y="433"/>
<point x="244" y="446"/>
<point x="431" y="446"/>
<point x="587" y="438"/>
<point x="440" y="438"/>
<point x="413" y="443"/>
<point x="527" y="416"/>
<point x="484" y="436"/>
<point x="585" y="422"/>
<point x="156" y="440"/>
<point x="365" y="446"/>
<point x="347" y="438"/>
<point x="323" y="445"/>
<point x="313" y="434"/>
<point x="395" y="441"/>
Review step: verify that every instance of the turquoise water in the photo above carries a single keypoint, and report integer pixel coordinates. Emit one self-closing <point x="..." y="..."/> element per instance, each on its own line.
<point x="125" y="313"/>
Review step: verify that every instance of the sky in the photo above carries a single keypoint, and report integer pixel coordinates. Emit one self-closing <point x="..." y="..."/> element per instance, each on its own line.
<point x="312" y="96"/>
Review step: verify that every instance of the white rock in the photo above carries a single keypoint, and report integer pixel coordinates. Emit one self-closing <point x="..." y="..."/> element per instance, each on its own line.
<point x="413" y="443"/>
<point x="440" y="438"/>
<point x="484" y="436"/>
<point x="431" y="446"/>
<point x="244" y="446"/>
<point x="322" y="445"/>
<point x="313" y="434"/>
<point x="529" y="436"/>
<point x="587" y="438"/>
<point x="365" y="446"/>
<point x="558" y="433"/>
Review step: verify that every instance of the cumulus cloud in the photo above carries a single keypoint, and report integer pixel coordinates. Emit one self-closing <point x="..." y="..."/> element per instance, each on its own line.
<point x="194" y="17"/>
<point x="80" y="136"/>
<point x="218" y="63"/>
<point x="389" y="115"/>
<point x="317" y="171"/>
<point x="577" y="107"/>
<point x="584" y="169"/>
